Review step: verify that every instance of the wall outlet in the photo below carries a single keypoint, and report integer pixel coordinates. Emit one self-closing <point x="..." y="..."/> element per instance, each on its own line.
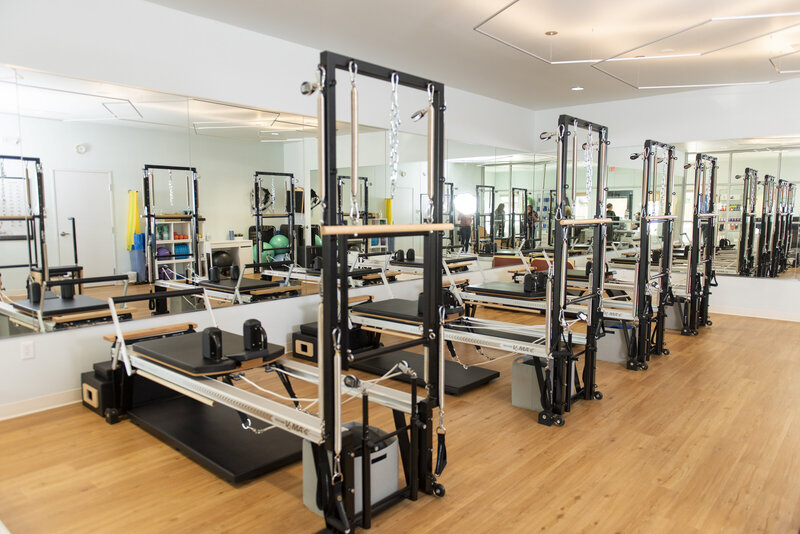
<point x="27" y="350"/>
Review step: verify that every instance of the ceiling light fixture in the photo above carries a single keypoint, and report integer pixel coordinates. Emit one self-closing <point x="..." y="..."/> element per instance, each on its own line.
<point x="577" y="88"/>
<point x="551" y="33"/>
<point x="701" y="85"/>
<point x="762" y="16"/>
<point x="275" y="133"/>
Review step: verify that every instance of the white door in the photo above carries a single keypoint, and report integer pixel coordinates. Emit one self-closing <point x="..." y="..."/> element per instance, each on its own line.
<point x="86" y="196"/>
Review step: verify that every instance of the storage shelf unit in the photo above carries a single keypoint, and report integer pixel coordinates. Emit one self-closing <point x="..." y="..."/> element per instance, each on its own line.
<point x="160" y="229"/>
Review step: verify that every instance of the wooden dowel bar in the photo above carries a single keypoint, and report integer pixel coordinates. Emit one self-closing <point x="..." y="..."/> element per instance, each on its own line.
<point x="385" y="229"/>
<point x="584" y="222"/>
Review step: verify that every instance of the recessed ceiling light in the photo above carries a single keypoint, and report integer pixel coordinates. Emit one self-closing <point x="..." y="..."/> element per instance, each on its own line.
<point x="551" y="33"/>
<point x="275" y="133"/>
<point x="577" y="88"/>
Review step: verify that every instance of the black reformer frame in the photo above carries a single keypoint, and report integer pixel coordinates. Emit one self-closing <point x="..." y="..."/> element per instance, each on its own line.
<point x="518" y="218"/>
<point x="416" y="438"/>
<point x="480" y="219"/>
<point x="700" y="275"/>
<point x="650" y="325"/>
<point x="562" y="372"/>
<point x="150" y="218"/>
<point x="766" y="228"/>
<point x="259" y="216"/>
<point x="783" y="226"/>
<point x="34" y="222"/>
<point x="748" y="228"/>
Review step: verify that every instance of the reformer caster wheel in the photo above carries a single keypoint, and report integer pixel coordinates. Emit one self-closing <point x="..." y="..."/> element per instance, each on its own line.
<point x="709" y="323"/>
<point x="598" y="395"/>
<point x="665" y="352"/>
<point x="438" y="490"/>
<point x="695" y="332"/>
<point x="558" y="420"/>
<point x="644" y="367"/>
<point x="633" y="366"/>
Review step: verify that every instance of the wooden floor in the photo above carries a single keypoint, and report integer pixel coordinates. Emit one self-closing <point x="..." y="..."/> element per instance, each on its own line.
<point x="707" y="440"/>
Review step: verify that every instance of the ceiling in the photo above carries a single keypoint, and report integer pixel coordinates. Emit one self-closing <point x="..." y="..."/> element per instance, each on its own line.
<point x="614" y="49"/>
<point x="46" y="96"/>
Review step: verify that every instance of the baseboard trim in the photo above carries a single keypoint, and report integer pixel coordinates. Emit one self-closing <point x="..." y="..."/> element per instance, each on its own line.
<point x="755" y="313"/>
<point x="39" y="404"/>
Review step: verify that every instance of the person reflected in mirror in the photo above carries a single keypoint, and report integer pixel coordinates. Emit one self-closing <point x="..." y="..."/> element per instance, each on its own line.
<point x="610" y="210"/>
<point x="464" y="230"/>
<point x="531" y="219"/>
<point x="500" y="220"/>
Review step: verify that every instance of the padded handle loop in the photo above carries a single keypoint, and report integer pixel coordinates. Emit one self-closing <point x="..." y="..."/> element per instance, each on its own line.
<point x="441" y="454"/>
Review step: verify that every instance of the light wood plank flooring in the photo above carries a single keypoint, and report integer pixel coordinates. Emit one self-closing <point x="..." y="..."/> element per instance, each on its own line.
<point x="707" y="440"/>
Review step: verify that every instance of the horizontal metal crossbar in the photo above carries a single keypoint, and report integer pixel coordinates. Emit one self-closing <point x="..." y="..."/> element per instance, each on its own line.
<point x="301" y="424"/>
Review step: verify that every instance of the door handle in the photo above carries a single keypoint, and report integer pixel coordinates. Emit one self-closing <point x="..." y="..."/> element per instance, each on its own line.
<point x="62" y="234"/>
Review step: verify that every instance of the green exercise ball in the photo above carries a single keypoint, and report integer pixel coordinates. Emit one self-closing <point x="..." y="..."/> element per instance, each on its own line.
<point x="317" y="240"/>
<point x="280" y="243"/>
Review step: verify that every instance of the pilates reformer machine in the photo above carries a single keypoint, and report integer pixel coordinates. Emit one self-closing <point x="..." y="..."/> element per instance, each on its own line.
<point x="766" y="229"/>
<point x="44" y="310"/>
<point x="693" y="297"/>
<point x="549" y="349"/>
<point x="746" y="265"/>
<point x="334" y="491"/>
<point x="655" y="212"/>
<point x="31" y="220"/>
<point x="782" y="238"/>
<point x="191" y="216"/>
<point x="236" y="289"/>
<point x="264" y="204"/>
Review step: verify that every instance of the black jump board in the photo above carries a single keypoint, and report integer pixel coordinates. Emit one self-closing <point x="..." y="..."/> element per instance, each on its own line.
<point x="230" y="285"/>
<point x="59" y="306"/>
<point x="457" y="380"/>
<point x="505" y="289"/>
<point x="420" y="263"/>
<point x="185" y="352"/>
<point x="215" y="439"/>
<point x="401" y="309"/>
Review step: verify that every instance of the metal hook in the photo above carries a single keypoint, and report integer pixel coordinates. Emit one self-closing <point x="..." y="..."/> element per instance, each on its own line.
<point x="352" y="67"/>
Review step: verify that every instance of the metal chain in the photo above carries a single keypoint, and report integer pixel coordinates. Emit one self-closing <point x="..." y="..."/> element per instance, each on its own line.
<point x="394" y="135"/>
<point x="272" y="200"/>
<point x="587" y="157"/>
<point x="661" y="180"/>
<point x="171" y="191"/>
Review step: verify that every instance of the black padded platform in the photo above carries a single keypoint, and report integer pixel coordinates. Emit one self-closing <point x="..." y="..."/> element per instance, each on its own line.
<point x="457" y="380"/>
<point x="505" y="289"/>
<point x="247" y="284"/>
<point x="185" y="353"/>
<point x="399" y="309"/>
<point x="420" y="263"/>
<point x="215" y="439"/>
<point x="59" y="306"/>
<point x="60" y="270"/>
